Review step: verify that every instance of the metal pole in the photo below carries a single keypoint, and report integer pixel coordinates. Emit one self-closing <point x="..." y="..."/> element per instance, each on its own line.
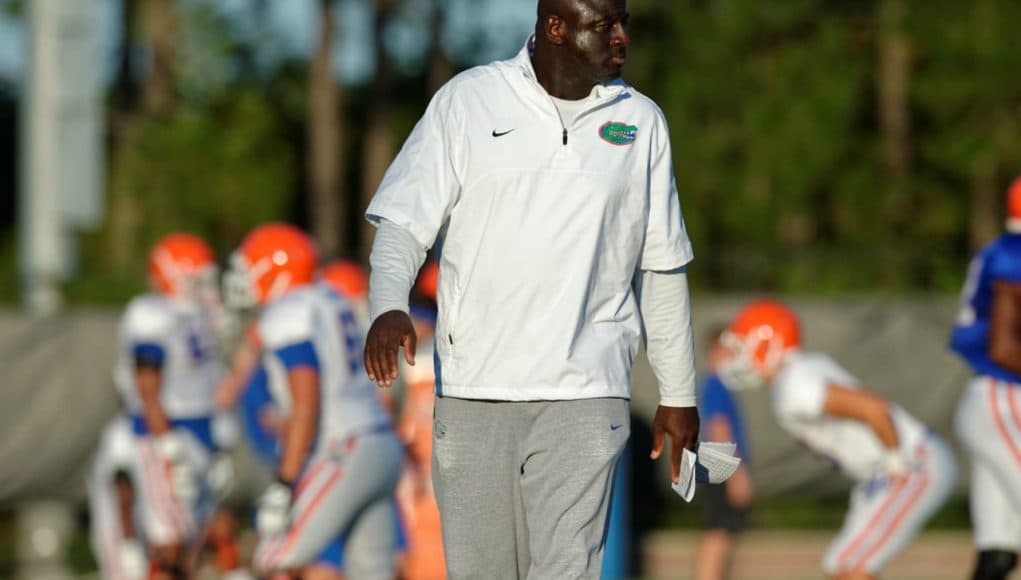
<point x="40" y="232"/>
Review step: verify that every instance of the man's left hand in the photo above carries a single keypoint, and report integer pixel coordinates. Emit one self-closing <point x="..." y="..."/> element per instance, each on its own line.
<point x="681" y="424"/>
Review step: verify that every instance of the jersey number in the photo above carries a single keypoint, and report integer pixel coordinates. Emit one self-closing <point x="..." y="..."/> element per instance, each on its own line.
<point x="352" y="340"/>
<point x="966" y="315"/>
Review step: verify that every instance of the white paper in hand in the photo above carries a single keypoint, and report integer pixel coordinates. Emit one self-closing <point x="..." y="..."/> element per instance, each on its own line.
<point x="726" y="448"/>
<point x="685" y="486"/>
<point x="716" y="463"/>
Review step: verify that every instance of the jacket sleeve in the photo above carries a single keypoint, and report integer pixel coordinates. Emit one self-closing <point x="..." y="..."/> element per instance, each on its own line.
<point x="667" y="246"/>
<point x="423" y="183"/>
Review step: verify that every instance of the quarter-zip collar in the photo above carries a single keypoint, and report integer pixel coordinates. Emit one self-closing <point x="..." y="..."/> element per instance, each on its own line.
<point x="603" y="93"/>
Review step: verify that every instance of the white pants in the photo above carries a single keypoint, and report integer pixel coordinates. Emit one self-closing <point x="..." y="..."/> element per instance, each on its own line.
<point x="346" y="490"/>
<point x="166" y="518"/>
<point x="116" y="453"/>
<point x="885" y="513"/>
<point x="988" y="423"/>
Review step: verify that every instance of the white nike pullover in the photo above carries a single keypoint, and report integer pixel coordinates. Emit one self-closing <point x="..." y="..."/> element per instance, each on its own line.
<point x="543" y="228"/>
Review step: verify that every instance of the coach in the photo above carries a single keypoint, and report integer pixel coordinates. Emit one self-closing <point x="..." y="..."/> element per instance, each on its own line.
<point x="548" y="181"/>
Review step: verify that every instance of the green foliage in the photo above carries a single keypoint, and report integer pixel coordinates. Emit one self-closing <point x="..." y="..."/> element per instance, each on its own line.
<point x="216" y="170"/>
<point x="779" y="146"/>
<point x="776" y="113"/>
<point x="12" y="7"/>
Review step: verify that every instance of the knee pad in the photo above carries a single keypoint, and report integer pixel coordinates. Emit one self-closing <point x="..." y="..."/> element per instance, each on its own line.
<point x="994" y="565"/>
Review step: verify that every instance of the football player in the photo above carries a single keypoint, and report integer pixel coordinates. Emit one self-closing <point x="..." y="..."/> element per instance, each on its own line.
<point x="988" y="419"/>
<point x="166" y="372"/>
<point x="113" y="529"/>
<point x="339" y="458"/>
<point x="903" y="471"/>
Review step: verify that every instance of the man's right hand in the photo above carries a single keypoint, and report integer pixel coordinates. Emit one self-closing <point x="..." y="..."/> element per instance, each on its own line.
<point x="391" y="331"/>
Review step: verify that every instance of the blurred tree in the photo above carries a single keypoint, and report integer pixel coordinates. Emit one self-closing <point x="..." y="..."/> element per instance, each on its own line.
<point x="160" y="24"/>
<point x="326" y="212"/>
<point x="821" y="146"/>
<point x="379" y="146"/>
<point x="217" y="162"/>
<point x="441" y="69"/>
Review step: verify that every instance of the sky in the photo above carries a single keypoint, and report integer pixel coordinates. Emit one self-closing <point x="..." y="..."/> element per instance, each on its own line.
<point x="504" y="23"/>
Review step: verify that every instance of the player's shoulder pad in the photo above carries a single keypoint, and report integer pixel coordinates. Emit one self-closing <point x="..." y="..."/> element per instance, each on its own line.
<point x="288" y="320"/>
<point x="149" y="316"/>
<point x="800" y="387"/>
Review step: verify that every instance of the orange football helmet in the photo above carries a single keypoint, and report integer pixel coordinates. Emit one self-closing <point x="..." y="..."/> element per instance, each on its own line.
<point x="272" y="260"/>
<point x="347" y="277"/>
<point x="758" y="338"/>
<point x="429" y="279"/>
<point x="179" y="263"/>
<point x="1014" y="207"/>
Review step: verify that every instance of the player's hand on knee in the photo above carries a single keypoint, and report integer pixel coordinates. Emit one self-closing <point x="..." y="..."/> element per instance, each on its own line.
<point x="390" y="331"/>
<point x="221" y="475"/>
<point x="183" y="479"/>
<point x="681" y="424"/>
<point x="897" y="464"/>
<point x="273" y="510"/>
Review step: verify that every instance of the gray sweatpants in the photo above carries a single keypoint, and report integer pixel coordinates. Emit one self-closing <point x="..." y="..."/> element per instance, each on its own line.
<point x="524" y="488"/>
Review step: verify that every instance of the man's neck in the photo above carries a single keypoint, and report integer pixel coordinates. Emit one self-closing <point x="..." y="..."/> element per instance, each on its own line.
<point x="554" y="76"/>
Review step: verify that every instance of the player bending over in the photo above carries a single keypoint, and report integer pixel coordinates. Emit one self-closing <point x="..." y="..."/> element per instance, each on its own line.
<point x="903" y="471"/>
<point x="339" y="458"/>
<point x="988" y="419"/>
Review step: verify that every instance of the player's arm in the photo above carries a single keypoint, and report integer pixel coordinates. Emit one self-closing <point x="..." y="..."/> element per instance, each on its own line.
<point x="299" y="431"/>
<point x="1005" y="326"/>
<point x="148" y="379"/>
<point x="666" y="322"/>
<point x="861" y="405"/>
<point x="243" y="364"/>
<point x="395" y="260"/>
<point x="303" y="423"/>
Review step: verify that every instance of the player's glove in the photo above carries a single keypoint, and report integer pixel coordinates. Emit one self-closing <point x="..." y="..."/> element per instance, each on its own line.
<point x="183" y="479"/>
<point x="221" y="475"/>
<point x="896" y="463"/>
<point x="133" y="561"/>
<point x="274" y="507"/>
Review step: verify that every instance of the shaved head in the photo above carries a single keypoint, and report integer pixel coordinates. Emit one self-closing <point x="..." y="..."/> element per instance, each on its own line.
<point x="549" y="8"/>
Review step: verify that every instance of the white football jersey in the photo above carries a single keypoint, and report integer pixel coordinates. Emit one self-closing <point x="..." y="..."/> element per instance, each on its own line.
<point x="184" y="337"/>
<point x="315" y="319"/>
<point x="799" y="395"/>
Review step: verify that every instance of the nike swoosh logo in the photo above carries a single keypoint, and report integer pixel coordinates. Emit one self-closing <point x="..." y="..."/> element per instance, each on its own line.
<point x="614" y="427"/>
<point x="495" y="134"/>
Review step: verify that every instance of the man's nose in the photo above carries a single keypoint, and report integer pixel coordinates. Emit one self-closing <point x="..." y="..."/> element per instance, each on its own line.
<point x="620" y="36"/>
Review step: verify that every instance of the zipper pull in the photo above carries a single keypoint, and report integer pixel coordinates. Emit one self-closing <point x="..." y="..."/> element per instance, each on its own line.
<point x="565" y="135"/>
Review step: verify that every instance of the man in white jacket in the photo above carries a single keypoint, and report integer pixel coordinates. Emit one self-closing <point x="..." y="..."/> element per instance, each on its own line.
<point x="546" y="183"/>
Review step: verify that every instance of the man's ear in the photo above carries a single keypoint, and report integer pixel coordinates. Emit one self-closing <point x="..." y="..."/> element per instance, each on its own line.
<point x="554" y="27"/>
